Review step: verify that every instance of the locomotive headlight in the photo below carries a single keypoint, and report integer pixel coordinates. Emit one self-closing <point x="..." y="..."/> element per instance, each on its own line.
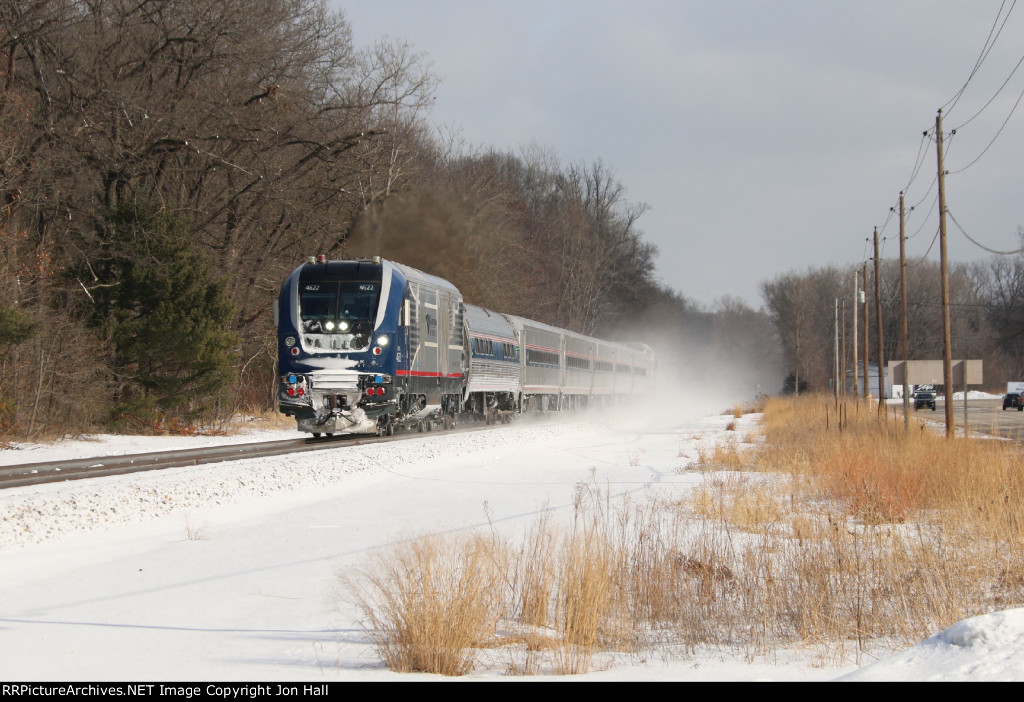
<point x="289" y="341"/>
<point x="382" y="340"/>
<point x="343" y="326"/>
<point x="329" y="326"/>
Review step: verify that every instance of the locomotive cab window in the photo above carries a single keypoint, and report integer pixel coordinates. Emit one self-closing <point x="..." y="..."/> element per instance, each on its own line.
<point x="348" y="307"/>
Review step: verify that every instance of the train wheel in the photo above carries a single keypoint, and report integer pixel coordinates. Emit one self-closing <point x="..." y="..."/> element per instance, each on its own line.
<point x="316" y="435"/>
<point x="419" y="426"/>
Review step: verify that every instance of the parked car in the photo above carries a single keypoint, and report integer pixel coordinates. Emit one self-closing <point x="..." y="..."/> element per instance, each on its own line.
<point x="1013" y="399"/>
<point x="924" y="398"/>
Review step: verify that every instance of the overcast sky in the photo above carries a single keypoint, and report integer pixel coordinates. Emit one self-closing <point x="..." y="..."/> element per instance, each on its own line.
<point x="765" y="136"/>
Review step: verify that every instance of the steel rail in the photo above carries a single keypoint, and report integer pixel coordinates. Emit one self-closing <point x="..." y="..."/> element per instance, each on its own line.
<point x="101" y="466"/>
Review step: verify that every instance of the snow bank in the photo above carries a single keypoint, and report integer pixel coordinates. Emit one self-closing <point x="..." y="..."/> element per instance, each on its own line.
<point x="989" y="647"/>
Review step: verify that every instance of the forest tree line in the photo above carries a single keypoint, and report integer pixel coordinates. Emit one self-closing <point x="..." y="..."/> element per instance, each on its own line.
<point x="165" y="164"/>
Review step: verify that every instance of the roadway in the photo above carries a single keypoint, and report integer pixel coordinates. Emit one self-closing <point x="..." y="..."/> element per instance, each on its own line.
<point x="983" y="417"/>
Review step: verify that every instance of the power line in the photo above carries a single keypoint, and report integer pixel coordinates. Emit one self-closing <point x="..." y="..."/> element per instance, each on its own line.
<point x="991" y="99"/>
<point x="985" y="150"/>
<point x="918" y="161"/>
<point x="985" y="50"/>
<point x="925" y="257"/>
<point x="980" y="245"/>
<point x="929" y="209"/>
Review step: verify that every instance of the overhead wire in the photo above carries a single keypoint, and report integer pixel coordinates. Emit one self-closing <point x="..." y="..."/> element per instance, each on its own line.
<point x="924" y="221"/>
<point x="998" y="25"/>
<point x="979" y="244"/>
<point x="985" y="50"/>
<point x="1000" y="131"/>
<point x="994" y="96"/>
<point x="925" y="257"/>
<point x="935" y="181"/>
<point x="918" y="161"/>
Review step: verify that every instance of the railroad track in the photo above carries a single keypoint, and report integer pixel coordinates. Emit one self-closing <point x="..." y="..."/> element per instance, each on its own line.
<point x="103" y="466"/>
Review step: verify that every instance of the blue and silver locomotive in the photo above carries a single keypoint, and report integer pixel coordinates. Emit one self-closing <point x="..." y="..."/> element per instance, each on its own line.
<point x="365" y="346"/>
<point x="369" y="346"/>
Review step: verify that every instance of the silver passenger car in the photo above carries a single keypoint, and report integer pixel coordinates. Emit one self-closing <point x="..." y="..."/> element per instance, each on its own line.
<point x="561" y="369"/>
<point x="493" y="365"/>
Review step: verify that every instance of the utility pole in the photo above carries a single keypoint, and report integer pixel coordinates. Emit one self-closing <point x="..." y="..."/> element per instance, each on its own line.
<point x="842" y="346"/>
<point x="878" y="328"/>
<point x="867" y="323"/>
<point x="947" y="345"/>
<point x="835" y="350"/>
<point x="904" y="341"/>
<point x="856" y="339"/>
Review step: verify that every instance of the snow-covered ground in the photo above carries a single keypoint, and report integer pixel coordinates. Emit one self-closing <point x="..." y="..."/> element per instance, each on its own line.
<point x="233" y="571"/>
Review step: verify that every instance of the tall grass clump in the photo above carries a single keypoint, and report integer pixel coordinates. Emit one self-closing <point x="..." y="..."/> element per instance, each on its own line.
<point x="431" y="602"/>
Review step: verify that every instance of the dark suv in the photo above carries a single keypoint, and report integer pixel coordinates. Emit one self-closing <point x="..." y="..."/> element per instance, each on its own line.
<point x="1012" y="399"/>
<point x="924" y="398"/>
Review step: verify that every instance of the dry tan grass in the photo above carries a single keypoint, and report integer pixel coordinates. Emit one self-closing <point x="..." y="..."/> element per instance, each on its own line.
<point x="431" y="603"/>
<point x="838" y="531"/>
<point x="726" y="455"/>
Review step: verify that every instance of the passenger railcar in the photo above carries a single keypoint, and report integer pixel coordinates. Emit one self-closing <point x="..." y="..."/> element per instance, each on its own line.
<point x="369" y="346"/>
<point x="493" y="391"/>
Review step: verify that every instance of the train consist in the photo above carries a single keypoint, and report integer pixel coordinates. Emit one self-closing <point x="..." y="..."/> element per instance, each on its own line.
<point x="370" y="346"/>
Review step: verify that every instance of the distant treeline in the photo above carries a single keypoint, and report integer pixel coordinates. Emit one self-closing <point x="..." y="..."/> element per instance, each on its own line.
<point x="986" y="316"/>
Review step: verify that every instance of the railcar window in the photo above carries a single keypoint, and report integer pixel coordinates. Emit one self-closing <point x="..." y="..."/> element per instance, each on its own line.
<point x="577" y="363"/>
<point x="483" y="347"/>
<point x="537" y="357"/>
<point x="603" y="366"/>
<point x="510" y="352"/>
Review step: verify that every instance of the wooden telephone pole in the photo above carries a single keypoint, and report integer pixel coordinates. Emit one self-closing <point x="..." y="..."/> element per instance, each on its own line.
<point x="904" y="341"/>
<point x="867" y="324"/>
<point x="947" y="345"/>
<point x="856" y="340"/>
<point x="878" y="331"/>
